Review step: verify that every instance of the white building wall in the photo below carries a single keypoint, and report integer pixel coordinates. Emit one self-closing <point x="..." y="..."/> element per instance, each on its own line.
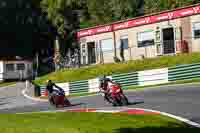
<point x="1" y="70"/>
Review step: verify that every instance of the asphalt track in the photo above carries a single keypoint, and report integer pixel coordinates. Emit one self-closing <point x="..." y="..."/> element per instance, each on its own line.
<point x="180" y="100"/>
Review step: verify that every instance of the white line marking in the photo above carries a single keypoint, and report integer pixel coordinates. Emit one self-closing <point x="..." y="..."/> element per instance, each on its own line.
<point x="32" y="98"/>
<point x="172" y="116"/>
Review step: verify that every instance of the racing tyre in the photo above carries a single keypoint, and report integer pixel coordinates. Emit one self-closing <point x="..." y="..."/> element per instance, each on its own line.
<point x="124" y="100"/>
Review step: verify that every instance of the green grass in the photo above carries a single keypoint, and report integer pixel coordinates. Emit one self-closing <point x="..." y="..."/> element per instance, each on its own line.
<point x="2" y="84"/>
<point x="108" y="69"/>
<point x="90" y="123"/>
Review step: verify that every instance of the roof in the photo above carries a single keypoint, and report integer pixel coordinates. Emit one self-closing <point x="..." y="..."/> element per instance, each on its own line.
<point x="176" y="13"/>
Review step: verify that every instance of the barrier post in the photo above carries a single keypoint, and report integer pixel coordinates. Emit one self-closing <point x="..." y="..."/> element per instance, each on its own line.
<point x="37" y="90"/>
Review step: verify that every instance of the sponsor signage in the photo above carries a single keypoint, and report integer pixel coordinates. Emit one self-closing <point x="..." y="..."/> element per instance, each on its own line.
<point x="94" y="31"/>
<point x="141" y="21"/>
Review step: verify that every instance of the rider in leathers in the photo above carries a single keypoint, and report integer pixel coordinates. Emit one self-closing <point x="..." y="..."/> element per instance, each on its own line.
<point x="105" y="86"/>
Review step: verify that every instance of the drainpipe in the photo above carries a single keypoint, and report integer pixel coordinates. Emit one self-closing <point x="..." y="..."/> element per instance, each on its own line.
<point x="114" y="38"/>
<point x="101" y="54"/>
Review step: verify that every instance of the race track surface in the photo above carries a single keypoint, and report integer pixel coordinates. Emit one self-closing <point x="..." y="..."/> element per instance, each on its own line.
<point x="180" y="100"/>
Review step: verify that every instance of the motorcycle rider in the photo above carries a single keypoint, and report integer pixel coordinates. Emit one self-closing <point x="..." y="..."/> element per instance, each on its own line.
<point x="113" y="92"/>
<point x="54" y="92"/>
<point x="105" y="86"/>
<point x="50" y="89"/>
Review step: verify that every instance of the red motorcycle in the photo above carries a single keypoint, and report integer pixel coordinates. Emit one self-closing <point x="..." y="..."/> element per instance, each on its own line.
<point x="118" y="96"/>
<point x="115" y="95"/>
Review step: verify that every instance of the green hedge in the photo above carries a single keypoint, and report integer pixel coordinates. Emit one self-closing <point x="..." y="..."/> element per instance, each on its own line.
<point x="108" y="69"/>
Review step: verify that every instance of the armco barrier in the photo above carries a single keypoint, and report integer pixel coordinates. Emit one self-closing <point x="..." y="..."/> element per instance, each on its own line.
<point x="183" y="72"/>
<point x="93" y="85"/>
<point x="126" y="79"/>
<point x="142" y="78"/>
<point x="79" y="87"/>
<point x="43" y="89"/>
<point x="153" y="77"/>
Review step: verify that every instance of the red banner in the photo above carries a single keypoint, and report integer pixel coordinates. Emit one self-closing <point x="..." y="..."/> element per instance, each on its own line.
<point x="141" y="21"/>
<point x="94" y="31"/>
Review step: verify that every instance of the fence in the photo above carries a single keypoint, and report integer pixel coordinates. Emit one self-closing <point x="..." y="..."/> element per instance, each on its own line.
<point x="183" y="72"/>
<point x="79" y="87"/>
<point x="127" y="79"/>
<point x="141" y="78"/>
<point x="153" y="77"/>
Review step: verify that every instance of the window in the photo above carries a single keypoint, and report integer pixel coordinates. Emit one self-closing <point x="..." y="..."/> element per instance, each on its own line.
<point x="124" y="42"/>
<point x="20" y="66"/>
<point x="10" y="67"/>
<point x="107" y="45"/>
<point x="145" y="38"/>
<point x="196" y="29"/>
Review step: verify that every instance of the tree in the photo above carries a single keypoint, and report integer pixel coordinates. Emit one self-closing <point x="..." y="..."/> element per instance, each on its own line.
<point x="21" y="22"/>
<point x="106" y="11"/>
<point x="100" y="11"/>
<point x="64" y="17"/>
<point x="160" y="5"/>
<point x="124" y="9"/>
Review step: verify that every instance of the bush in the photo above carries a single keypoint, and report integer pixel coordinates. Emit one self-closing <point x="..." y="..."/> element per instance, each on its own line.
<point x="109" y="69"/>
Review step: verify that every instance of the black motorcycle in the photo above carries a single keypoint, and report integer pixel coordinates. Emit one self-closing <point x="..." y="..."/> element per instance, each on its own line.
<point x="58" y="99"/>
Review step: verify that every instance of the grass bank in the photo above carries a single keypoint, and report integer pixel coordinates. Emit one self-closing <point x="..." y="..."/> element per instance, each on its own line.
<point x="90" y="123"/>
<point x="108" y="69"/>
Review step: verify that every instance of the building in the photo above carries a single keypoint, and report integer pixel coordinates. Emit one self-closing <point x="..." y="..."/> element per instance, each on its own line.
<point x="165" y="33"/>
<point x="15" y="69"/>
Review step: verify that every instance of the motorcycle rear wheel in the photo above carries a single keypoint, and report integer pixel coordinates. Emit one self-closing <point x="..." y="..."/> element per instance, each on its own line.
<point x="124" y="100"/>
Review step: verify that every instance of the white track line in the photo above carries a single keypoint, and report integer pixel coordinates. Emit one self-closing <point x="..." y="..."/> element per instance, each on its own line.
<point x="32" y="98"/>
<point x="172" y="116"/>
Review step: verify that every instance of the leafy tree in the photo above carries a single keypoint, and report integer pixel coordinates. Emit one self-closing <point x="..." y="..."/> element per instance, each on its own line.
<point x="22" y="26"/>
<point x="63" y="14"/>
<point x="160" y="5"/>
<point x="124" y="9"/>
<point x="106" y="11"/>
